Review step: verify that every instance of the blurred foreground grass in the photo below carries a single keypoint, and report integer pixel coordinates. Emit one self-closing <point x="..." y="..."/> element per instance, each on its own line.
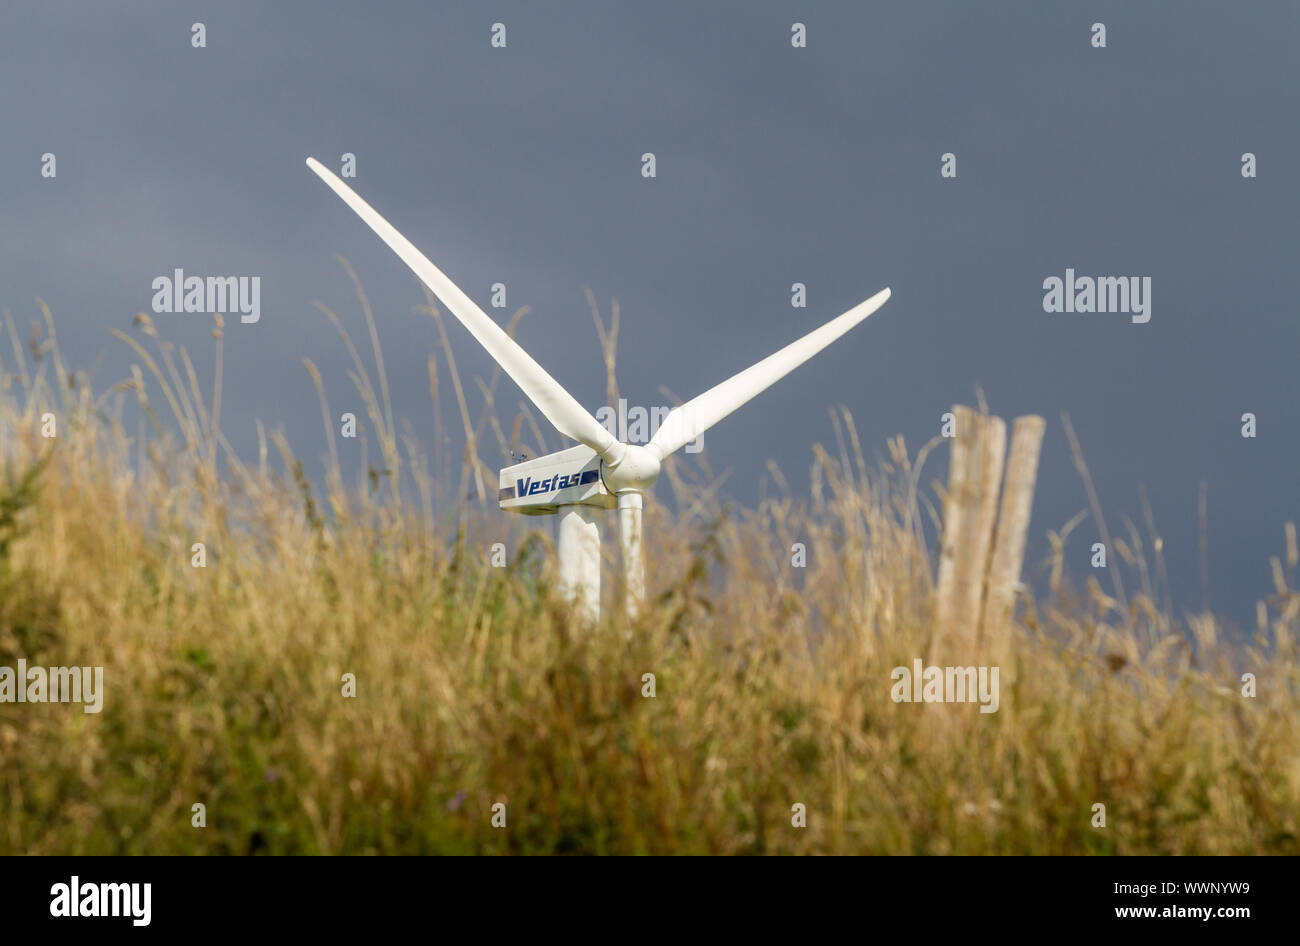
<point x="473" y="685"/>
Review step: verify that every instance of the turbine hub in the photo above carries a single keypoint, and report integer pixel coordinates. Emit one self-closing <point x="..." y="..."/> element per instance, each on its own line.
<point x="633" y="472"/>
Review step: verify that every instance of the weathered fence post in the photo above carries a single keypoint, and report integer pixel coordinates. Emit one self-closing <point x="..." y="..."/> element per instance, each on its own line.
<point x="970" y="510"/>
<point x="1013" y="526"/>
<point x="983" y="546"/>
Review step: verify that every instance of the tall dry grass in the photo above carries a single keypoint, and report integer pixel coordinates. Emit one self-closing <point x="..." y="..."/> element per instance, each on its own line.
<point x="474" y="686"/>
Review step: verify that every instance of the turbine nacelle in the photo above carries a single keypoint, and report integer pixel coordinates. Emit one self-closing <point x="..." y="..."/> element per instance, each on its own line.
<point x="578" y="476"/>
<point x="542" y="485"/>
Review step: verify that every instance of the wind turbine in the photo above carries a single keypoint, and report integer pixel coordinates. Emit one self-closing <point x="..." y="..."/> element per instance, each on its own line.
<point x="602" y="473"/>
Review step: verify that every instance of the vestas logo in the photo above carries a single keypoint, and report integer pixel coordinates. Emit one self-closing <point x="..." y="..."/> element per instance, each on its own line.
<point x="531" y="487"/>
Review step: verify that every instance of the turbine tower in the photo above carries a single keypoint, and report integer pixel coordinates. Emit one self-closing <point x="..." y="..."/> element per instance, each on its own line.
<point x="602" y="473"/>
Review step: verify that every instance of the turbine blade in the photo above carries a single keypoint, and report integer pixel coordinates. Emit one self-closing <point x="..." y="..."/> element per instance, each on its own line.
<point x="683" y="424"/>
<point x="558" y="405"/>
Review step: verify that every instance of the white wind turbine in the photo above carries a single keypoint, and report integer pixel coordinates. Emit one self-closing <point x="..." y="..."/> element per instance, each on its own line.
<point x="603" y="473"/>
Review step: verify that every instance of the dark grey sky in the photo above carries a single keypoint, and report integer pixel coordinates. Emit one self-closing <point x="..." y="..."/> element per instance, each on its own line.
<point x="775" y="165"/>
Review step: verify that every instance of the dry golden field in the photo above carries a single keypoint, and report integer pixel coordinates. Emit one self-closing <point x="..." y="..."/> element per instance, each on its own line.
<point x="224" y="684"/>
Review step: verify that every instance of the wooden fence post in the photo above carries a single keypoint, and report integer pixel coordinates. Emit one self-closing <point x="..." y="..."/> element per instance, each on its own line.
<point x="1013" y="526"/>
<point x="970" y="513"/>
<point x="983" y="545"/>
